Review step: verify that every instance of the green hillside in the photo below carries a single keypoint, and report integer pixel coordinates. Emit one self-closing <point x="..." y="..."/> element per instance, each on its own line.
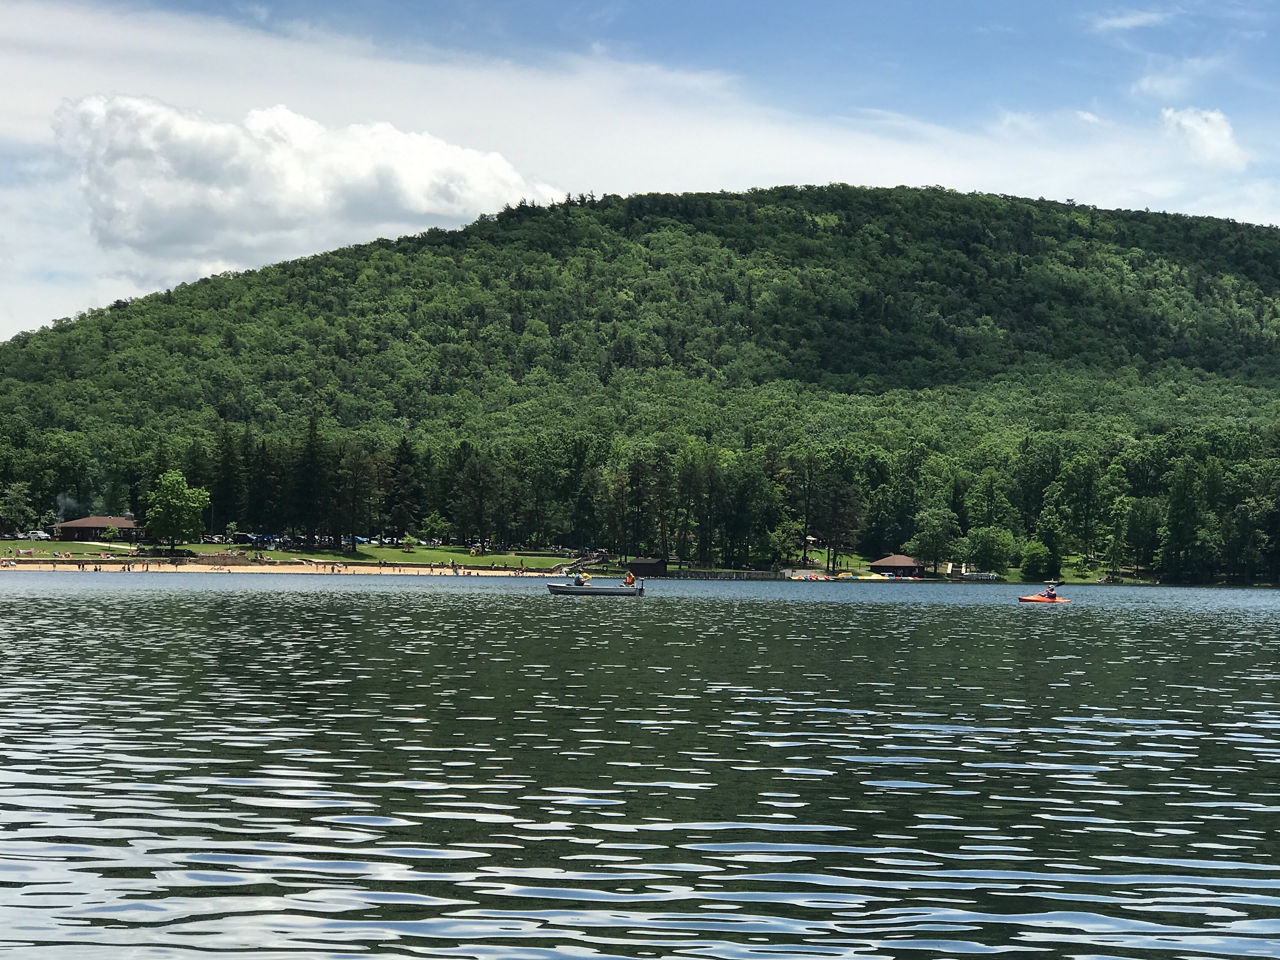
<point x="707" y="375"/>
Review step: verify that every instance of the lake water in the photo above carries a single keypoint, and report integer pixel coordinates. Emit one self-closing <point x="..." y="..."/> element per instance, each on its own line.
<point x="220" y="766"/>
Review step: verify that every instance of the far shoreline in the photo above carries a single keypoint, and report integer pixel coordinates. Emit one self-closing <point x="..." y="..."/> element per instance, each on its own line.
<point x="333" y="568"/>
<point x="305" y="567"/>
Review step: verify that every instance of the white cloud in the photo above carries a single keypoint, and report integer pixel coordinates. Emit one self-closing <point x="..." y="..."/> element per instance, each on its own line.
<point x="1175" y="81"/>
<point x="161" y="182"/>
<point x="1130" y="20"/>
<point x="1208" y="135"/>
<point x="1010" y="121"/>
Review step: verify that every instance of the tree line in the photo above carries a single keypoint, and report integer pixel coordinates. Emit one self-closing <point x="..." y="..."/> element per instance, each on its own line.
<point x="1189" y="506"/>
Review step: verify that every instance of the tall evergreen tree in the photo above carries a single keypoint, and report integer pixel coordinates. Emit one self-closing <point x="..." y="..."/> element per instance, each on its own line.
<point x="227" y="489"/>
<point x="403" y="503"/>
<point x="311" y="483"/>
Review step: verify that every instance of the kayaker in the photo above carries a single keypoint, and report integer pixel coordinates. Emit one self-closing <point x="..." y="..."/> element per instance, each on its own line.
<point x="1051" y="593"/>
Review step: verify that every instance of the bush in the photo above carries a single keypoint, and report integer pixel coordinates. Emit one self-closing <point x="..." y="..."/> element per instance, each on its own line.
<point x="1036" y="561"/>
<point x="990" y="548"/>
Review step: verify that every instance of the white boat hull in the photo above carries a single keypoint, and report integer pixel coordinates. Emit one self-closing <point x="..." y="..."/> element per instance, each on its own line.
<point x="588" y="590"/>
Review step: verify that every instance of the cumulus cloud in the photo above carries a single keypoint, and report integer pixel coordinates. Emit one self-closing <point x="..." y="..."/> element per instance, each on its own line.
<point x="162" y="181"/>
<point x="136" y="195"/>
<point x="1208" y="135"/>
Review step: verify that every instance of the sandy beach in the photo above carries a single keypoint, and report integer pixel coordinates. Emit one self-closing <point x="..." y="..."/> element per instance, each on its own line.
<point x="140" y="565"/>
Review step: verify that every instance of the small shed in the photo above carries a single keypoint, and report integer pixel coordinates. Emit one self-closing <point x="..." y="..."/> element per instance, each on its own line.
<point x="648" y="567"/>
<point x="898" y="565"/>
<point x="92" y="528"/>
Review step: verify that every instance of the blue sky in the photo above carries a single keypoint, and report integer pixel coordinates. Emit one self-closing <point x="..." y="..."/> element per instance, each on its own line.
<point x="944" y="61"/>
<point x="156" y="142"/>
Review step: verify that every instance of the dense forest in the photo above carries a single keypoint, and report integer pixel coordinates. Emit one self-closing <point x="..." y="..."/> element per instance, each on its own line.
<point x="712" y="377"/>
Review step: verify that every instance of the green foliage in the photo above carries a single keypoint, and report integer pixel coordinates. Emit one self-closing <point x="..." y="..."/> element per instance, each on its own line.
<point x="1036" y="561"/>
<point x="175" y="510"/>
<point x="1142" y="530"/>
<point x="936" y="532"/>
<point x="990" y="549"/>
<point x="16" y="513"/>
<point x="433" y="527"/>
<point x="713" y="377"/>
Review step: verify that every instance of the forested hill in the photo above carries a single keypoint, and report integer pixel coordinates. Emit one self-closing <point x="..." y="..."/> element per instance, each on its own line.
<point x="847" y="289"/>
<point x="915" y="337"/>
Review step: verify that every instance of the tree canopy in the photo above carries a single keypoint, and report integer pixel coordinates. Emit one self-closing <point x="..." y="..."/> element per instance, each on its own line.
<point x="175" y="510"/>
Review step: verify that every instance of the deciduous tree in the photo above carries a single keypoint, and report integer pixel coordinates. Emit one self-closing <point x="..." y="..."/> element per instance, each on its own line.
<point x="175" y="511"/>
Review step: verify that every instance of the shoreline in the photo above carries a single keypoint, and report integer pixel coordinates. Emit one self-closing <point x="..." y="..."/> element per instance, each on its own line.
<point x="307" y="568"/>
<point x="332" y="568"/>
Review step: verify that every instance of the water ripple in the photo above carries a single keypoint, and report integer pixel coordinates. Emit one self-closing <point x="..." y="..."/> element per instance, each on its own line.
<point x="224" y="767"/>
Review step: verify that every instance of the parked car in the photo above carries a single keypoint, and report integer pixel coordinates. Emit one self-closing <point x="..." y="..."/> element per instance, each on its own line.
<point x="38" y="535"/>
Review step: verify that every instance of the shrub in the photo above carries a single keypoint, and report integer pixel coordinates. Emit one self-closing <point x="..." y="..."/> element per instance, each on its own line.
<point x="1036" y="561"/>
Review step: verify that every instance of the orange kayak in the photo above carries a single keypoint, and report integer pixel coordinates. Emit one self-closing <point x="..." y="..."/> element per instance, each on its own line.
<point x="1041" y="598"/>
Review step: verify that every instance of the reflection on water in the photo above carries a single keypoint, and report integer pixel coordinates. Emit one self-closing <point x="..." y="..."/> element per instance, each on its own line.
<point x="234" y="766"/>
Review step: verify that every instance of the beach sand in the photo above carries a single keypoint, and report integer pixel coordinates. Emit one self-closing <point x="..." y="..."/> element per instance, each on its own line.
<point x="140" y="565"/>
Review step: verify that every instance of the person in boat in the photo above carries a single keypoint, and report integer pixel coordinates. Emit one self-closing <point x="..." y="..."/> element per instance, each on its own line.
<point x="629" y="579"/>
<point x="1051" y="593"/>
<point x="578" y="581"/>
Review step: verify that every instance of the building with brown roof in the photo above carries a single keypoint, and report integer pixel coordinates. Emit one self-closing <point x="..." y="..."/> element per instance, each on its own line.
<point x="898" y="566"/>
<point x="93" y="528"/>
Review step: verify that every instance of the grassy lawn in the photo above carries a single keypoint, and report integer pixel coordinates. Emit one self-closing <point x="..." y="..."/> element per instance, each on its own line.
<point x="45" y="549"/>
<point x="368" y="553"/>
<point x="1072" y="573"/>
